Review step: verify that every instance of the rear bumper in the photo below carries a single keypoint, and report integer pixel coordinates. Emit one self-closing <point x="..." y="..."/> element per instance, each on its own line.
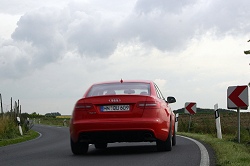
<point x="119" y="130"/>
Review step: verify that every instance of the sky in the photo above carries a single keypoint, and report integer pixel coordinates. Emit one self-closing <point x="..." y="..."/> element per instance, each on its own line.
<point x="51" y="51"/>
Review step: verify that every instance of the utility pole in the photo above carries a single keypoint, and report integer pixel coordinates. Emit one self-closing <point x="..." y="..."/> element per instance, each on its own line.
<point x="1" y="103"/>
<point x="247" y="52"/>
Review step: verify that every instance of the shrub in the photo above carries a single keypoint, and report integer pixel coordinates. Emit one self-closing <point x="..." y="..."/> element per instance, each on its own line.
<point x="8" y="127"/>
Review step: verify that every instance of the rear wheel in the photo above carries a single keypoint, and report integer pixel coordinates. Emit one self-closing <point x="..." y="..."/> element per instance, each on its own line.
<point x="174" y="139"/>
<point x="165" y="145"/>
<point x="101" y="145"/>
<point x="78" y="148"/>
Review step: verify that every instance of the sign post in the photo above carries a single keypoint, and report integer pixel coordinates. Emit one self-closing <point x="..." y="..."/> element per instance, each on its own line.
<point x="190" y="108"/>
<point x="238" y="119"/>
<point x="237" y="98"/>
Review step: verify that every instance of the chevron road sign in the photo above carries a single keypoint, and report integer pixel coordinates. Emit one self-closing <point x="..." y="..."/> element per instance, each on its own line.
<point x="190" y="107"/>
<point x="237" y="97"/>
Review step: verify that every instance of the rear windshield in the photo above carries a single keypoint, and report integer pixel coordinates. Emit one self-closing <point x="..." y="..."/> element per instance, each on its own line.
<point x="131" y="88"/>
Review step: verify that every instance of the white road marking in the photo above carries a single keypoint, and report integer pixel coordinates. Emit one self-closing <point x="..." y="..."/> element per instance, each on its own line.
<point x="204" y="152"/>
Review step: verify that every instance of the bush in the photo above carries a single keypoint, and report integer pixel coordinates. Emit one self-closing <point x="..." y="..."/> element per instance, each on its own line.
<point x="8" y="128"/>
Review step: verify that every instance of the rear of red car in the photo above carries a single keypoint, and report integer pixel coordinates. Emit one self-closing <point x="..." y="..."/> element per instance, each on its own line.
<point x="120" y="112"/>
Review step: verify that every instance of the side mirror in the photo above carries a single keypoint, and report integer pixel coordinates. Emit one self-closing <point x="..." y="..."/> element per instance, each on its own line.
<point x="171" y="99"/>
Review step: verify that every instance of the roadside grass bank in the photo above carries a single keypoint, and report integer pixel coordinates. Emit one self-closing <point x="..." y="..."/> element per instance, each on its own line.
<point x="31" y="134"/>
<point x="9" y="132"/>
<point x="228" y="152"/>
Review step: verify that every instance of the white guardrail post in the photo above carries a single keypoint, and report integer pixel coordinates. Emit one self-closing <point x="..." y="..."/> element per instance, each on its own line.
<point x="19" y="125"/>
<point x="217" y="121"/>
<point x="176" y="122"/>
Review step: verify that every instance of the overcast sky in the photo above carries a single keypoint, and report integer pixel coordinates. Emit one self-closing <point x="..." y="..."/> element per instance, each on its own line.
<point x="51" y="51"/>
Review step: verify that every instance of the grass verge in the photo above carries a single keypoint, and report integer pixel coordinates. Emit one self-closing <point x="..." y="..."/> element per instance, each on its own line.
<point x="31" y="134"/>
<point x="228" y="152"/>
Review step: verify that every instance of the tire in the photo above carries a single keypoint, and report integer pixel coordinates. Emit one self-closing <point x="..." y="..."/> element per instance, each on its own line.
<point x="165" y="145"/>
<point x="174" y="139"/>
<point x="79" y="148"/>
<point x="101" y="145"/>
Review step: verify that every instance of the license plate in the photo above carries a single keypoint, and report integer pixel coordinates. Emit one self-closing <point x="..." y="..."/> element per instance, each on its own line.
<point x="107" y="108"/>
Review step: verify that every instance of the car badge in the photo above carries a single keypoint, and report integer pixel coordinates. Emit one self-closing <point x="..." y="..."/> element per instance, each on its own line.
<point x="114" y="100"/>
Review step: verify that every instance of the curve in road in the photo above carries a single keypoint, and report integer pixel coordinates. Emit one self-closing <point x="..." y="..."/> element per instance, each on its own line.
<point x="53" y="148"/>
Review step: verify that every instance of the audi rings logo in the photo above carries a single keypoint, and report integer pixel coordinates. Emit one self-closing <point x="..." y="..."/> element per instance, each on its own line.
<point x="114" y="100"/>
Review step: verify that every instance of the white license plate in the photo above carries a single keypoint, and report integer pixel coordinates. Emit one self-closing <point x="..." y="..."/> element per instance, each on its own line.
<point x="107" y="108"/>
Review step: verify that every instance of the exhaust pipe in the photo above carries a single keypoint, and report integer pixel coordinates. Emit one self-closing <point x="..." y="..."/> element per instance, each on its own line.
<point x="148" y="137"/>
<point x="84" y="138"/>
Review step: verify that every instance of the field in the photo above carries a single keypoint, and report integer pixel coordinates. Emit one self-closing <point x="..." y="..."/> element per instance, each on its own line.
<point x="204" y="123"/>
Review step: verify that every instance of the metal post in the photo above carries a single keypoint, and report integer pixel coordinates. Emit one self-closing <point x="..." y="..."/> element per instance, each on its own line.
<point x="238" y="117"/>
<point x="11" y="107"/>
<point x="1" y="103"/>
<point x="189" y="122"/>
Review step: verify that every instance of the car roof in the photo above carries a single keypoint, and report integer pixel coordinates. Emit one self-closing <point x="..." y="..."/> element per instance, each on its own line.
<point x="124" y="81"/>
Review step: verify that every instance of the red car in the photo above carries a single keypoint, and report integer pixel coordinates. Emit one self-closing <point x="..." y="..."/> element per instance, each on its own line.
<point x="122" y="111"/>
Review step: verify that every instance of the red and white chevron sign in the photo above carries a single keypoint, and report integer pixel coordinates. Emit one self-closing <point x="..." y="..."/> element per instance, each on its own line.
<point x="237" y="97"/>
<point x="190" y="107"/>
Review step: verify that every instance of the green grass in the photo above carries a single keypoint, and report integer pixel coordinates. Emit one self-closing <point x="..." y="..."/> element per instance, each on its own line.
<point x="227" y="151"/>
<point x="55" y="121"/>
<point x="9" y="133"/>
<point x="27" y="136"/>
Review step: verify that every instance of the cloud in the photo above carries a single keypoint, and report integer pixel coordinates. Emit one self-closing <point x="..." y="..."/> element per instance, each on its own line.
<point x="170" y="25"/>
<point x="45" y="34"/>
<point x="168" y="6"/>
<point x="41" y="29"/>
<point x="16" y="7"/>
<point x="91" y="35"/>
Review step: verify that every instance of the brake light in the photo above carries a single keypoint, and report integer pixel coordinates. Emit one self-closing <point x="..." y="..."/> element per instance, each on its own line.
<point x="83" y="106"/>
<point x="148" y="104"/>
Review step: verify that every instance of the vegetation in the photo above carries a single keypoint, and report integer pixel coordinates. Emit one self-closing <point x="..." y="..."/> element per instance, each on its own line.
<point x="52" y="114"/>
<point x="9" y="132"/>
<point x="9" y="127"/>
<point x="204" y="123"/>
<point x="227" y="150"/>
<point x="56" y="121"/>
<point x="17" y="139"/>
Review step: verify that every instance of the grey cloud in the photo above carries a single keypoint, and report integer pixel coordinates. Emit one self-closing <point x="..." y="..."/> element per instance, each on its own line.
<point x="226" y="16"/>
<point x="169" y="25"/>
<point x="93" y="37"/>
<point x="17" y="7"/>
<point x="13" y="60"/>
<point x="44" y="35"/>
<point x="168" y="6"/>
<point x="161" y="24"/>
<point x="42" y="30"/>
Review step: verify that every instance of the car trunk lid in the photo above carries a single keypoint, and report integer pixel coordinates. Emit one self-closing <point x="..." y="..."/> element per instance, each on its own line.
<point x="112" y="106"/>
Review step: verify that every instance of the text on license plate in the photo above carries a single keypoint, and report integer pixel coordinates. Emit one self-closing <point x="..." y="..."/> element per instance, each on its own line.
<point x="115" y="108"/>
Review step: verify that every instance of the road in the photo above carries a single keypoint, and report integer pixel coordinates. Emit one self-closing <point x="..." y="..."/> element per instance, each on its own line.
<point x="53" y="148"/>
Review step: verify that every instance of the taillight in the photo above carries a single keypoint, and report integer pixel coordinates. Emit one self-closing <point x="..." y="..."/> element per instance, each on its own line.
<point x="148" y="104"/>
<point x="83" y="106"/>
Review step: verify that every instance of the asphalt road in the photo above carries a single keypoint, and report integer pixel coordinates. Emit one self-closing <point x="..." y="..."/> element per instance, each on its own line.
<point x="53" y="148"/>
